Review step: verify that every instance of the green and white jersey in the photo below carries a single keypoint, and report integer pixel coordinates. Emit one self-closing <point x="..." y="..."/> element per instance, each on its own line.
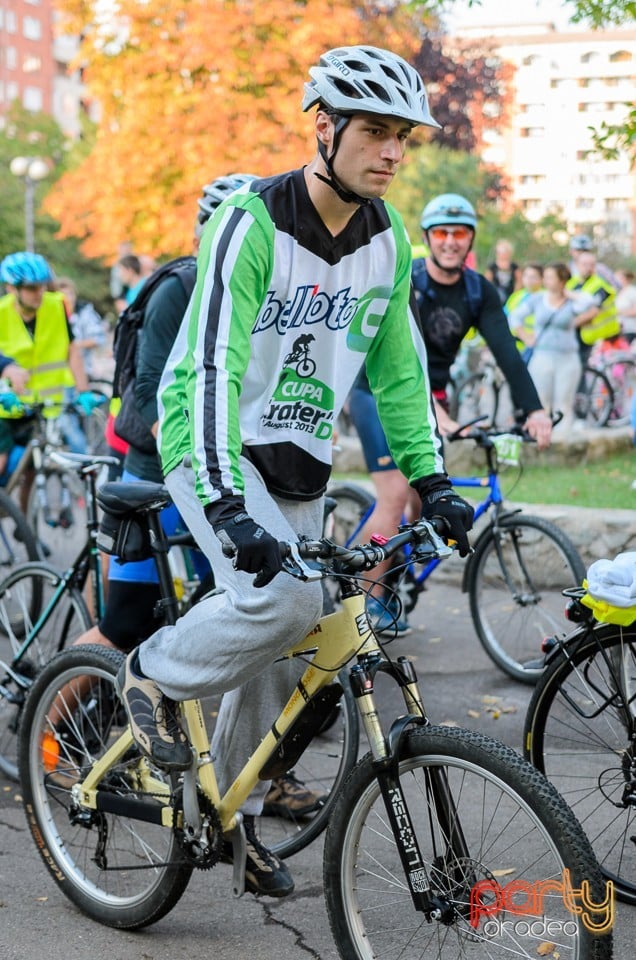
<point x="282" y="317"/>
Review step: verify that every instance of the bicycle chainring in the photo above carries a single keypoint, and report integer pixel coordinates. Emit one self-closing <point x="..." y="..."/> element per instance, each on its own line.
<point x="203" y="851"/>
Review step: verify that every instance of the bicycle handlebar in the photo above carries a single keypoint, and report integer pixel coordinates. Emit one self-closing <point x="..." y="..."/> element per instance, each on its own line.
<point x="484" y="436"/>
<point x="424" y="535"/>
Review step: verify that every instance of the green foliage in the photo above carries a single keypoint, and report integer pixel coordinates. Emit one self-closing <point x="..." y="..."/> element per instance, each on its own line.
<point x="28" y="134"/>
<point x="430" y="170"/>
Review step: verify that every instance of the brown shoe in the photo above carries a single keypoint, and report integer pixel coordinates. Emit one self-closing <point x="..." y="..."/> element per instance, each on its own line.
<point x="288" y="797"/>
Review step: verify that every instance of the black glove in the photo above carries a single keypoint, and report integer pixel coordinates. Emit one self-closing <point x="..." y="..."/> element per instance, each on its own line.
<point x="440" y="500"/>
<point x="256" y="550"/>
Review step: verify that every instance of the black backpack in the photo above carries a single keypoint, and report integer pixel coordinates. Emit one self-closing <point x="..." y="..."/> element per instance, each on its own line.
<point x="129" y="424"/>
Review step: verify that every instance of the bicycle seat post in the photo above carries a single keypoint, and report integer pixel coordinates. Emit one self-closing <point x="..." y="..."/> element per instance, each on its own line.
<point x="168" y="603"/>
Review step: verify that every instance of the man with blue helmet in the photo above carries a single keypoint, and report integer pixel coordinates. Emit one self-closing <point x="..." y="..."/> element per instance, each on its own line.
<point x="39" y="358"/>
<point x="451" y="299"/>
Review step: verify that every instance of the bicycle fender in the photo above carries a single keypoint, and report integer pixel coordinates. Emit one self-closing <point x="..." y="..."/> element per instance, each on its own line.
<point x="485" y="533"/>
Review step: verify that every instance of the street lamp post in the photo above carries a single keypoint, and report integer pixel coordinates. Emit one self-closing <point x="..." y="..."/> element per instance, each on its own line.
<point x="31" y="170"/>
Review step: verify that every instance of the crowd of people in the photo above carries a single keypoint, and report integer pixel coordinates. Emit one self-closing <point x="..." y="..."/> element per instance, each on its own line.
<point x="312" y="255"/>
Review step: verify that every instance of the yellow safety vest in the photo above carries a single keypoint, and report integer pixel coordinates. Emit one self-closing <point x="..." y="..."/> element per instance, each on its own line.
<point x="515" y="298"/>
<point x="45" y="355"/>
<point x="606" y="323"/>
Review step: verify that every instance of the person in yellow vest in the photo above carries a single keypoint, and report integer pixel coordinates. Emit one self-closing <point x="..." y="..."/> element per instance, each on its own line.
<point x="38" y="356"/>
<point x="531" y="282"/>
<point x="601" y="321"/>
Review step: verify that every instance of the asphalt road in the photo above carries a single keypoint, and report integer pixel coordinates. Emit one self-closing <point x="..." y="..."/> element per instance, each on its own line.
<point x="460" y="685"/>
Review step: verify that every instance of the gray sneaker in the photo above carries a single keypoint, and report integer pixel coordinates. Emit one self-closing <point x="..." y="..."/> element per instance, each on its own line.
<point x="154" y="718"/>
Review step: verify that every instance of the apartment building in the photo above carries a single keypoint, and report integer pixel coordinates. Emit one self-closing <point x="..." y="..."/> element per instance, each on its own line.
<point x="34" y="64"/>
<point x="565" y="83"/>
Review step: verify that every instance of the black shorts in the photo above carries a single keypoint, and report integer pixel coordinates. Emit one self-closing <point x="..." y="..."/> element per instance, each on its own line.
<point x="130" y="616"/>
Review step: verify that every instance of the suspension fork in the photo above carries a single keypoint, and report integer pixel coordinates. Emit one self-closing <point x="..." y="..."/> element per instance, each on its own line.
<point x="386" y="754"/>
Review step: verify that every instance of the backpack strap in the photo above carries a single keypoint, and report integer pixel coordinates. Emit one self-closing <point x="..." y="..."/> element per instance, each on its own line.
<point x="472" y="283"/>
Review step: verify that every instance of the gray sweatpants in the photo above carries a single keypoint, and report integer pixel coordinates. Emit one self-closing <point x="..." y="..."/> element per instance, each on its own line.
<point x="227" y="643"/>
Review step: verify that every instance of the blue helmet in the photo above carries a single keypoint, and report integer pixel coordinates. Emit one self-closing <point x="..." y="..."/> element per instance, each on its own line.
<point x="20" y="268"/>
<point x="446" y="209"/>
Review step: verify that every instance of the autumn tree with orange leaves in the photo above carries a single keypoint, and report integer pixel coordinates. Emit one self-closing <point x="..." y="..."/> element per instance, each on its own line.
<point x="194" y="89"/>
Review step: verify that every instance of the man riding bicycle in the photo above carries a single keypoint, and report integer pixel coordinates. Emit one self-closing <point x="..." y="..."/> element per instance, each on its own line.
<point x="246" y="447"/>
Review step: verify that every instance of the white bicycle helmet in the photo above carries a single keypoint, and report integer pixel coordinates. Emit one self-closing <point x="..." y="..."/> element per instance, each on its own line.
<point x="582" y="243"/>
<point x="365" y="79"/>
<point x="215" y="193"/>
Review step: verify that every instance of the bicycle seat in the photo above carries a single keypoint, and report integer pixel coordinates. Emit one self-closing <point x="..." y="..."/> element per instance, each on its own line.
<point x="120" y="497"/>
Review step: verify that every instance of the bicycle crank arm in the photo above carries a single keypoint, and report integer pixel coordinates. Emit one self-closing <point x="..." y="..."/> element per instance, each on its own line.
<point x="236" y="836"/>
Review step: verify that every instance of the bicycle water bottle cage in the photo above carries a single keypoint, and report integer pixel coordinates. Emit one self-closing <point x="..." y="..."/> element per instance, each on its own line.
<point x="293" y="743"/>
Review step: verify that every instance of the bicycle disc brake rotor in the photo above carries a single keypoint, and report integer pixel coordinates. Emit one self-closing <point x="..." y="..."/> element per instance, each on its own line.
<point x="203" y="850"/>
<point x="452" y="881"/>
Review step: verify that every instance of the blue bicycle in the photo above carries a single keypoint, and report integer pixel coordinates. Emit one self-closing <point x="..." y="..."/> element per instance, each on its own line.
<point x="516" y="574"/>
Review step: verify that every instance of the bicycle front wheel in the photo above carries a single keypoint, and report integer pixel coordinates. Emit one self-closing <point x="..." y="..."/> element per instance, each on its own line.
<point x="580" y="731"/>
<point x="493" y="835"/>
<point x="515" y="581"/>
<point x="36" y="610"/>
<point x="121" y="872"/>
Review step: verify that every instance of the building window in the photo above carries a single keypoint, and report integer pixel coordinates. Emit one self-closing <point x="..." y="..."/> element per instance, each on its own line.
<point x="31" y="28"/>
<point x="32" y="99"/>
<point x="12" y="22"/>
<point x="531" y="60"/>
<point x="31" y="64"/>
<point x="621" y="56"/>
<point x="11" y="58"/>
<point x="12" y="91"/>
<point x="590" y="57"/>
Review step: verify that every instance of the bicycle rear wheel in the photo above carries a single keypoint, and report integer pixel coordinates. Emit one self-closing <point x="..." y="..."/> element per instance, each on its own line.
<point x="29" y="612"/>
<point x="17" y="539"/>
<point x="476" y="397"/>
<point x="594" y="400"/>
<point x="57" y="514"/>
<point x="94" y="425"/>
<point x="121" y="872"/>
<point x="623" y="372"/>
<point x="515" y="581"/>
<point x="481" y="816"/>
<point x="580" y="731"/>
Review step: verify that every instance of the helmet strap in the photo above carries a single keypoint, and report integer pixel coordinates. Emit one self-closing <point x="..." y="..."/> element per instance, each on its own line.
<point x="347" y="196"/>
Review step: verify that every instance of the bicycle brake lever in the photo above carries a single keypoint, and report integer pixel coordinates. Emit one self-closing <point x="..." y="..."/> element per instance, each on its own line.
<point x="299" y="568"/>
